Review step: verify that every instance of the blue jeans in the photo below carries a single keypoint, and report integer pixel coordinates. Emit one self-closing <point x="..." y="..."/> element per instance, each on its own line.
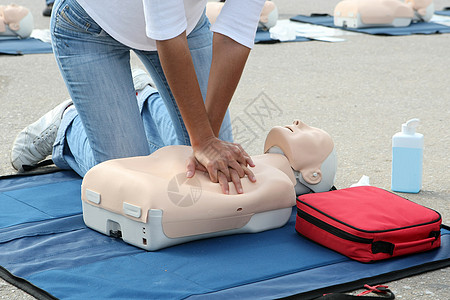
<point x="110" y="121"/>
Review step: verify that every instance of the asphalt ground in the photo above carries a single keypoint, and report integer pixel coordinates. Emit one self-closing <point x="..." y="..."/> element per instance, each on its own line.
<point x="360" y="91"/>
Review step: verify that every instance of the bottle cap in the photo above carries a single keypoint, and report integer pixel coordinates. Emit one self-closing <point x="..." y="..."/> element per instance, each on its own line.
<point x="410" y="126"/>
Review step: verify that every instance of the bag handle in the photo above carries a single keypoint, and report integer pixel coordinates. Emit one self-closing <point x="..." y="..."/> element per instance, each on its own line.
<point x="406" y="247"/>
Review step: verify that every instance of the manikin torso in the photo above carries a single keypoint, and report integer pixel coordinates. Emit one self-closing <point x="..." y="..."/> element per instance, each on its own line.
<point x="158" y="181"/>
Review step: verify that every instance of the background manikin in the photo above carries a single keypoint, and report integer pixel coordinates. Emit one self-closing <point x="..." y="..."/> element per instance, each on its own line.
<point x="15" y="21"/>
<point x="380" y="13"/>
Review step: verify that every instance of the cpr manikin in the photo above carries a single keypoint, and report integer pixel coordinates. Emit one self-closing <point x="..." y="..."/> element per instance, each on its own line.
<point x="377" y="13"/>
<point x="15" y="21"/>
<point x="268" y="18"/>
<point x="149" y="202"/>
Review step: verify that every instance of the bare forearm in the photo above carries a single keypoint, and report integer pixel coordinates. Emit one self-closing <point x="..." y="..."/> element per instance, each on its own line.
<point x="179" y="69"/>
<point x="224" y="161"/>
<point x="228" y="61"/>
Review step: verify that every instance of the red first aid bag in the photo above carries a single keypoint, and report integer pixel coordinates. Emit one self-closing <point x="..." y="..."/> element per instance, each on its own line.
<point x="367" y="223"/>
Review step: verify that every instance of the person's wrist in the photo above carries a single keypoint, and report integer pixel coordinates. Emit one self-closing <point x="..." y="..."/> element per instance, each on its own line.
<point x="202" y="141"/>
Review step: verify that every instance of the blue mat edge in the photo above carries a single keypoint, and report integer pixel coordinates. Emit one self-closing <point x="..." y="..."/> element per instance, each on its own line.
<point x="25" y="285"/>
<point x="263" y="289"/>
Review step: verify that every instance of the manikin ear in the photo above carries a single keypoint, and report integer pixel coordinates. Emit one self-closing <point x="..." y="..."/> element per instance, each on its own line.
<point x="422" y="11"/>
<point x="14" y="26"/>
<point x="264" y="18"/>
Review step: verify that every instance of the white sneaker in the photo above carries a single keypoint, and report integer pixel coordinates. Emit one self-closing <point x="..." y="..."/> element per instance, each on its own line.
<point x="141" y="79"/>
<point x="35" y="142"/>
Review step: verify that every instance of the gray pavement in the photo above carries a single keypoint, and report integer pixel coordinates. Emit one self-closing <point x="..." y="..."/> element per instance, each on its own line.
<point x="360" y="91"/>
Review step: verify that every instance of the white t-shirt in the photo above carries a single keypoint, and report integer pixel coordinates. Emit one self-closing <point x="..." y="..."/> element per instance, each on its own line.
<point x="138" y="23"/>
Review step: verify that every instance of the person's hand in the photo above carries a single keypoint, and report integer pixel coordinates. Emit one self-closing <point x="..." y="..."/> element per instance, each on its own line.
<point x="225" y="162"/>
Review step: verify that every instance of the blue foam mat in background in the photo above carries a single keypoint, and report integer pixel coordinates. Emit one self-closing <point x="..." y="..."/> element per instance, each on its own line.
<point x="47" y="243"/>
<point x="445" y="12"/>
<point x="414" y="28"/>
<point x="17" y="46"/>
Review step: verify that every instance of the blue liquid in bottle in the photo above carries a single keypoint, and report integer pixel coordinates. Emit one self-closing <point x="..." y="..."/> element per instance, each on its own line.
<point x="406" y="169"/>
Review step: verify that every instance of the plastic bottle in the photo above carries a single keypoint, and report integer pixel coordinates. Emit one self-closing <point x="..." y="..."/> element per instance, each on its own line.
<point x="407" y="159"/>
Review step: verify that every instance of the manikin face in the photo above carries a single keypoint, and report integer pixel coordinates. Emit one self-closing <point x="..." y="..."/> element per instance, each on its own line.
<point x="11" y="15"/>
<point x="305" y="147"/>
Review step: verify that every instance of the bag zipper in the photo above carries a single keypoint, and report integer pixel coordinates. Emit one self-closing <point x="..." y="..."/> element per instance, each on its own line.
<point x="374" y="231"/>
<point x="331" y="229"/>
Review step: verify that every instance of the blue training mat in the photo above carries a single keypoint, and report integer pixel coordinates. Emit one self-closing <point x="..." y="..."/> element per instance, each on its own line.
<point x="445" y="12"/>
<point x="414" y="28"/>
<point x="43" y="240"/>
<point x="17" y="46"/>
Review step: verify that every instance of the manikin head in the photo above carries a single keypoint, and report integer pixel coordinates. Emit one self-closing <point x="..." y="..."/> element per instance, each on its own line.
<point x="310" y="152"/>
<point x="268" y="17"/>
<point x="15" y="20"/>
<point x="423" y="9"/>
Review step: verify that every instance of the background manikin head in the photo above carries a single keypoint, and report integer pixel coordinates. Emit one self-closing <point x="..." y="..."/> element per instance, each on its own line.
<point x="268" y="17"/>
<point x="310" y="152"/>
<point x="423" y="9"/>
<point x="15" y="20"/>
